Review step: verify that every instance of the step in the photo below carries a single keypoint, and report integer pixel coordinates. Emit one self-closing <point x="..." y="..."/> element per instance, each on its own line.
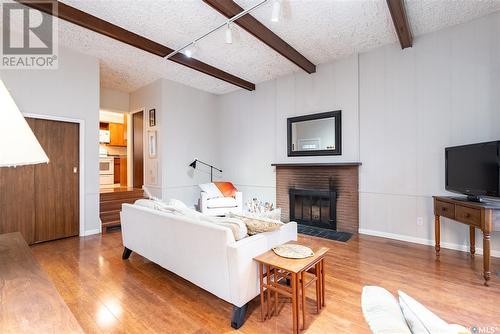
<point x="116" y="204"/>
<point x="117" y="195"/>
<point x="111" y="224"/>
<point x="110" y="216"/>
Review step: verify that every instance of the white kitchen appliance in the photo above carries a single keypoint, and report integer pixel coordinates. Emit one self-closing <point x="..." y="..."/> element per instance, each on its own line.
<point x="104" y="136"/>
<point x="106" y="170"/>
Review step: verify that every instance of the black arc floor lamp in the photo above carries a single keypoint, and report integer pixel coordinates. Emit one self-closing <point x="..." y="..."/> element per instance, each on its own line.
<point x="193" y="164"/>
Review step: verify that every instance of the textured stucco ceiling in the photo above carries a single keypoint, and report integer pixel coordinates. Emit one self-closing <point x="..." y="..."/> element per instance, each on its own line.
<point x="322" y="30"/>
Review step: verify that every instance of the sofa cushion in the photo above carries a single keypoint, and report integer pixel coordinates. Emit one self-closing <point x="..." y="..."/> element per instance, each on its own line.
<point x="420" y="319"/>
<point x="176" y="203"/>
<point x="227" y="188"/>
<point x="222" y="202"/>
<point x="382" y="311"/>
<point x="151" y="204"/>
<point x="211" y="190"/>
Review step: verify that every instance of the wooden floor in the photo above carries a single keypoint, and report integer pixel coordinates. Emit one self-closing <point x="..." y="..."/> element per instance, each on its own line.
<point x="109" y="295"/>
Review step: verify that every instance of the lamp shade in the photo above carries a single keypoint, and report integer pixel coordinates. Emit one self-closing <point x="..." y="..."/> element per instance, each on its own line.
<point x="18" y="144"/>
<point x="193" y="164"/>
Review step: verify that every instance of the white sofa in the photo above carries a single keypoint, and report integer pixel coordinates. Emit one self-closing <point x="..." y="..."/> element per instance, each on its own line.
<point x="201" y="252"/>
<point x="220" y="206"/>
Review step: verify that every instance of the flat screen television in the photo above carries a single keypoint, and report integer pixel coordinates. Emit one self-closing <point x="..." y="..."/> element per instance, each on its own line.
<point x="474" y="170"/>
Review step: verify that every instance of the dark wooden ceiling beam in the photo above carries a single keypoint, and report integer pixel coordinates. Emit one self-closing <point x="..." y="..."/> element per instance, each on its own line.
<point x="106" y="28"/>
<point x="229" y="8"/>
<point x="398" y="13"/>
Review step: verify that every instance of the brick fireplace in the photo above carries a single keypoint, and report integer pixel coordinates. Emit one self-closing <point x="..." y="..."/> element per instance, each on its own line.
<point x="338" y="178"/>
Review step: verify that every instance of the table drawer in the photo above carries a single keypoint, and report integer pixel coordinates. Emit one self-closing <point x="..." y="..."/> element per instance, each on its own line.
<point x="445" y="209"/>
<point x="468" y="215"/>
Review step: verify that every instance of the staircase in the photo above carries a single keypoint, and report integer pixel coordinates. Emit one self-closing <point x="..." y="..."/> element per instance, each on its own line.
<point x="111" y="204"/>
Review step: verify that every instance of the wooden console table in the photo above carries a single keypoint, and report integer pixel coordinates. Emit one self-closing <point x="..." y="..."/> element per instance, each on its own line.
<point x="29" y="302"/>
<point x="484" y="216"/>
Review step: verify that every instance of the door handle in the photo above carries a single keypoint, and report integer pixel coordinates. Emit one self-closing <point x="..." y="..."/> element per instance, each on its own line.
<point x="75" y="170"/>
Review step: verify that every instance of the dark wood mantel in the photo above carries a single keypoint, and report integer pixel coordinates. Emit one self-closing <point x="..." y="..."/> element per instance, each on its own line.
<point x="320" y="164"/>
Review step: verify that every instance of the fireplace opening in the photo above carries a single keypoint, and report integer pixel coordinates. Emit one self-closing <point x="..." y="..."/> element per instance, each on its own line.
<point x="313" y="207"/>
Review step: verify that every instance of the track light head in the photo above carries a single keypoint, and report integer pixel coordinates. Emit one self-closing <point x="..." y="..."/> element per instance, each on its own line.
<point x="229" y="35"/>
<point x="190" y="50"/>
<point x="275" y="14"/>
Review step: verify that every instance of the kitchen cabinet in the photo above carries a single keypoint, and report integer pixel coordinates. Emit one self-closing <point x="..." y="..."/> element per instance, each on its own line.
<point x="120" y="171"/>
<point x="117" y="134"/>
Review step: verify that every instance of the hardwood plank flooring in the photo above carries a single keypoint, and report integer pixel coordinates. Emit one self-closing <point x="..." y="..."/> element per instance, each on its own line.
<point x="109" y="295"/>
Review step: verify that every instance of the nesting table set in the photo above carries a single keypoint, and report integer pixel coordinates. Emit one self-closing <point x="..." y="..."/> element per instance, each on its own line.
<point x="274" y="273"/>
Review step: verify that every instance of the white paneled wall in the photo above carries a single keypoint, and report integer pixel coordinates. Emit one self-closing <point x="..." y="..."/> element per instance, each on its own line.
<point x="401" y="108"/>
<point x="252" y="125"/>
<point x="413" y="103"/>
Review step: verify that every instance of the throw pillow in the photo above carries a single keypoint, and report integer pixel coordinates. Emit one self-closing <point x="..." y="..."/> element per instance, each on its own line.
<point x="211" y="190"/>
<point x="382" y="312"/>
<point x="420" y="319"/>
<point x="258" y="225"/>
<point x="226" y="188"/>
<point x="237" y="226"/>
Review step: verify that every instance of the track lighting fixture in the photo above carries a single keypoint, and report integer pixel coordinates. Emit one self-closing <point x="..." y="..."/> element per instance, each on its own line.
<point x="189" y="48"/>
<point x="229" y="35"/>
<point x="275" y="14"/>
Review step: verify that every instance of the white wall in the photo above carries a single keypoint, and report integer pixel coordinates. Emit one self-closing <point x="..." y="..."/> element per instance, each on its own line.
<point x="252" y="125"/>
<point x="146" y="98"/>
<point x="442" y="92"/>
<point x="400" y="108"/>
<point x="114" y="100"/>
<point x="186" y="130"/>
<point x="72" y="91"/>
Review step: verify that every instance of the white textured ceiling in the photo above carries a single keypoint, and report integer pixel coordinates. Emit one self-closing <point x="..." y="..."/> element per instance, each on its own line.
<point x="322" y="30"/>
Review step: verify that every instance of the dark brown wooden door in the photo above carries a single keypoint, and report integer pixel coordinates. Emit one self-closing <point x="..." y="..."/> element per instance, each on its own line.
<point x="42" y="201"/>
<point x="17" y="200"/>
<point x="138" y="138"/>
<point x="57" y="183"/>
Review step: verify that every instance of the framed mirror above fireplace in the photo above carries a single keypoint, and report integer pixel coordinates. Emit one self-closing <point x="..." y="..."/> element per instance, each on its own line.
<point x="315" y="134"/>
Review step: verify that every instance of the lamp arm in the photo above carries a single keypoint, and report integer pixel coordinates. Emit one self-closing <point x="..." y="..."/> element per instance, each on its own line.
<point x="204" y="163"/>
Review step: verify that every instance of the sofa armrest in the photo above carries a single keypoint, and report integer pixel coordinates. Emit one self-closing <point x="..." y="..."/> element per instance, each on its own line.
<point x="243" y="271"/>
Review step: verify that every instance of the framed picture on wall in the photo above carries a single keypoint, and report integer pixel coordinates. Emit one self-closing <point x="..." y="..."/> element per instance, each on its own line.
<point x="152" y="144"/>
<point x="152" y="117"/>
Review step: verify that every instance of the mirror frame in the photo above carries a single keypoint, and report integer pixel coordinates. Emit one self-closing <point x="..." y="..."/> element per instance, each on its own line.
<point x="338" y="134"/>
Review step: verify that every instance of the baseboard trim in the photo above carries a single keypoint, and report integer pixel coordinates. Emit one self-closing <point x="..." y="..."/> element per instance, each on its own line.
<point x="91" y="232"/>
<point x="422" y="241"/>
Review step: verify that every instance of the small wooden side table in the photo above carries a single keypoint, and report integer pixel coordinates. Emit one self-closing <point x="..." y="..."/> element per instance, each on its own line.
<point x="273" y="269"/>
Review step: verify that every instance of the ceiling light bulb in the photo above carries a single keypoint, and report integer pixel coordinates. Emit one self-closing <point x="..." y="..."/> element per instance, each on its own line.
<point x="275" y="15"/>
<point x="190" y="50"/>
<point x="229" y="35"/>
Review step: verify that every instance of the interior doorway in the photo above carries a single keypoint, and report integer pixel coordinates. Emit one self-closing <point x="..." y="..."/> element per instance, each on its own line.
<point x="113" y="154"/>
<point x="138" y="149"/>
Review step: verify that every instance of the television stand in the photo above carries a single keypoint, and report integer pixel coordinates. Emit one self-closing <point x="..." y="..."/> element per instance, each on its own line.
<point x="482" y="215"/>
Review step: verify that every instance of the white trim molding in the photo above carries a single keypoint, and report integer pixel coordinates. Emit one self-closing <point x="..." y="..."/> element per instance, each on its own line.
<point x="422" y="241"/>
<point x="81" y="140"/>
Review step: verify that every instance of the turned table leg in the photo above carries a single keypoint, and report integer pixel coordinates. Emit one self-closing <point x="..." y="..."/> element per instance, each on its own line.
<point x="486" y="257"/>
<point x="261" y="281"/>
<point x="295" y="308"/>
<point x="437" y="231"/>
<point x="472" y="239"/>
